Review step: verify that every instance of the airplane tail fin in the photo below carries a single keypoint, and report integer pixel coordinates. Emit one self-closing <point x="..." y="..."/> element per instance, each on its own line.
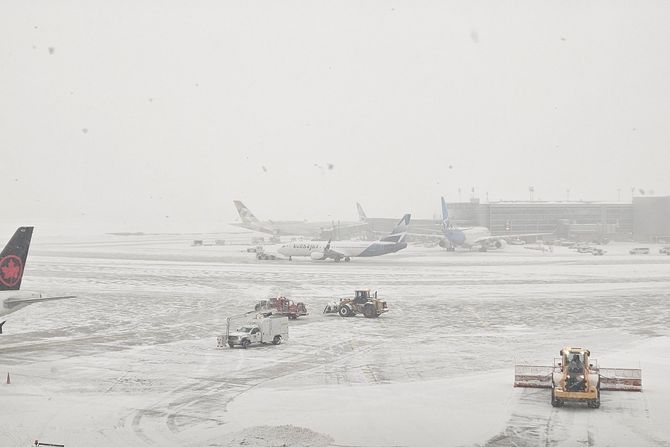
<point x="2" y="324"/>
<point x="245" y="214"/>
<point x="361" y="214"/>
<point x="401" y="227"/>
<point x="13" y="259"/>
<point x="445" y="214"/>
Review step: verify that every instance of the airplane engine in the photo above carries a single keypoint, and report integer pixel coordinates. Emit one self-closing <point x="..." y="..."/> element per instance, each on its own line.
<point x="444" y="243"/>
<point x="317" y="256"/>
<point x="499" y="243"/>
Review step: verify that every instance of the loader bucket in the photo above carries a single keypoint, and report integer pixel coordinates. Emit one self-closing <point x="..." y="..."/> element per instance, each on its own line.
<point x="529" y="376"/>
<point x="620" y="379"/>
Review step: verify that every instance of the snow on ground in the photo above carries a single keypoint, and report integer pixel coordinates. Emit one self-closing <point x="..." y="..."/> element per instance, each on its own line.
<point x="133" y="360"/>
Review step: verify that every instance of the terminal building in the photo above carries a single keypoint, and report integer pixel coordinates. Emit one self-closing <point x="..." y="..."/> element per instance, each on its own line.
<point x="572" y="220"/>
<point x="646" y="219"/>
<point x="651" y="219"/>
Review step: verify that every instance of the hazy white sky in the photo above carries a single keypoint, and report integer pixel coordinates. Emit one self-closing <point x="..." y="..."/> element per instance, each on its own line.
<point x="152" y="115"/>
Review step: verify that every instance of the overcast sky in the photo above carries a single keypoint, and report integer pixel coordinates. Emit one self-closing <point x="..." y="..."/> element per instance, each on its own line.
<point x="152" y="115"/>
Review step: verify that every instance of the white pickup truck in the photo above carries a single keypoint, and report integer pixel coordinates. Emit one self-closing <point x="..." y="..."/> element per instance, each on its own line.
<point x="262" y="330"/>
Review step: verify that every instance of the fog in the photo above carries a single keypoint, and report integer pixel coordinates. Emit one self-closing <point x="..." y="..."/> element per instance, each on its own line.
<point x="154" y="116"/>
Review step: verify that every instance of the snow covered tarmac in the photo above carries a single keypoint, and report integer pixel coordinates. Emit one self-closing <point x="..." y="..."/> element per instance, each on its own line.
<point x="133" y="360"/>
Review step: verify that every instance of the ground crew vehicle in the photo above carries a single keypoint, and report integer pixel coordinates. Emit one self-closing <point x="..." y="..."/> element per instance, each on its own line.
<point x="639" y="251"/>
<point x="264" y="329"/>
<point x="664" y="251"/>
<point x="576" y="377"/>
<point x="363" y="303"/>
<point x="262" y="255"/>
<point x="282" y="306"/>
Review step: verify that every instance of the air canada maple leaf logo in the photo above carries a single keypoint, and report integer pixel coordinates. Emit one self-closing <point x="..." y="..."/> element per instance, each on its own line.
<point x="11" y="269"/>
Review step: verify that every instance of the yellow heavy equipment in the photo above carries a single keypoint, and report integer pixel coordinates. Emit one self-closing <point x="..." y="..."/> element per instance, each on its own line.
<point x="577" y="380"/>
<point x="363" y="302"/>
<point x="576" y="377"/>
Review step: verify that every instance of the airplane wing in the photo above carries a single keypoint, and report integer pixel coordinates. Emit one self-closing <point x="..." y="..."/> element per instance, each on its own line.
<point x="334" y="254"/>
<point x="509" y="236"/>
<point x="12" y="302"/>
<point x="330" y="253"/>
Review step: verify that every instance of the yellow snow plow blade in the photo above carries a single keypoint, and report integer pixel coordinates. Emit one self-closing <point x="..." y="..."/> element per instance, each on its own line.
<point x="611" y="379"/>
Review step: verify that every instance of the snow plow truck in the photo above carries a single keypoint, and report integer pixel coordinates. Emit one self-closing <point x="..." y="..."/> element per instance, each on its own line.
<point x="282" y="306"/>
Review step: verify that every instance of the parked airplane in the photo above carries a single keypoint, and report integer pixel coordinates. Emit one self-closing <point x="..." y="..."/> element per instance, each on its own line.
<point x="478" y="238"/>
<point x="298" y="228"/>
<point x="422" y="229"/>
<point x="338" y="250"/>
<point x="12" y="265"/>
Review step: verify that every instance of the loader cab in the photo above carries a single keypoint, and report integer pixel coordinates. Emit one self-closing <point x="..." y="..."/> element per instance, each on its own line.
<point x="576" y="363"/>
<point x="574" y="360"/>
<point x="362" y="296"/>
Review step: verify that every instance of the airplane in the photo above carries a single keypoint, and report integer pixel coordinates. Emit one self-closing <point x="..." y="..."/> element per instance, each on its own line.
<point x="472" y="238"/>
<point x="12" y="265"/>
<point x="422" y="229"/>
<point x="322" y="250"/>
<point x="297" y="228"/>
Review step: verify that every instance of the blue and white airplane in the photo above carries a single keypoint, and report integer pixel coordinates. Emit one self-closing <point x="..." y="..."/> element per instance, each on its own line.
<point x="338" y="250"/>
<point x="473" y="238"/>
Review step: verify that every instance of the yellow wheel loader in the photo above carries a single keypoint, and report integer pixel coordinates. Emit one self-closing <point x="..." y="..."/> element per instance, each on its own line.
<point x="364" y="302"/>
<point x="576" y="377"/>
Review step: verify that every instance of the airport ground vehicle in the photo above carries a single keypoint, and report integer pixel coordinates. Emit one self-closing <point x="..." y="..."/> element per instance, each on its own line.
<point x="264" y="329"/>
<point x="262" y="255"/>
<point x="576" y="377"/>
<point x="362" y="302"/>
<point x="639" y="251"/>
<point x="664" y="251"/>
<point x="597" y="251"/>
<point x="282" y="306"/>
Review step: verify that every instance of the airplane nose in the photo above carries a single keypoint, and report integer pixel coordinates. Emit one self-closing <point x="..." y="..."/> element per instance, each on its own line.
<point x="282" y="250"/>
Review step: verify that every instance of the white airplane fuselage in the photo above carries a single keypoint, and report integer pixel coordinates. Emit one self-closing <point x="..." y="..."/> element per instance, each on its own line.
<point x="474" y="234"/>
<point x="347" y="249"/>
<point x="471" y="237"/>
